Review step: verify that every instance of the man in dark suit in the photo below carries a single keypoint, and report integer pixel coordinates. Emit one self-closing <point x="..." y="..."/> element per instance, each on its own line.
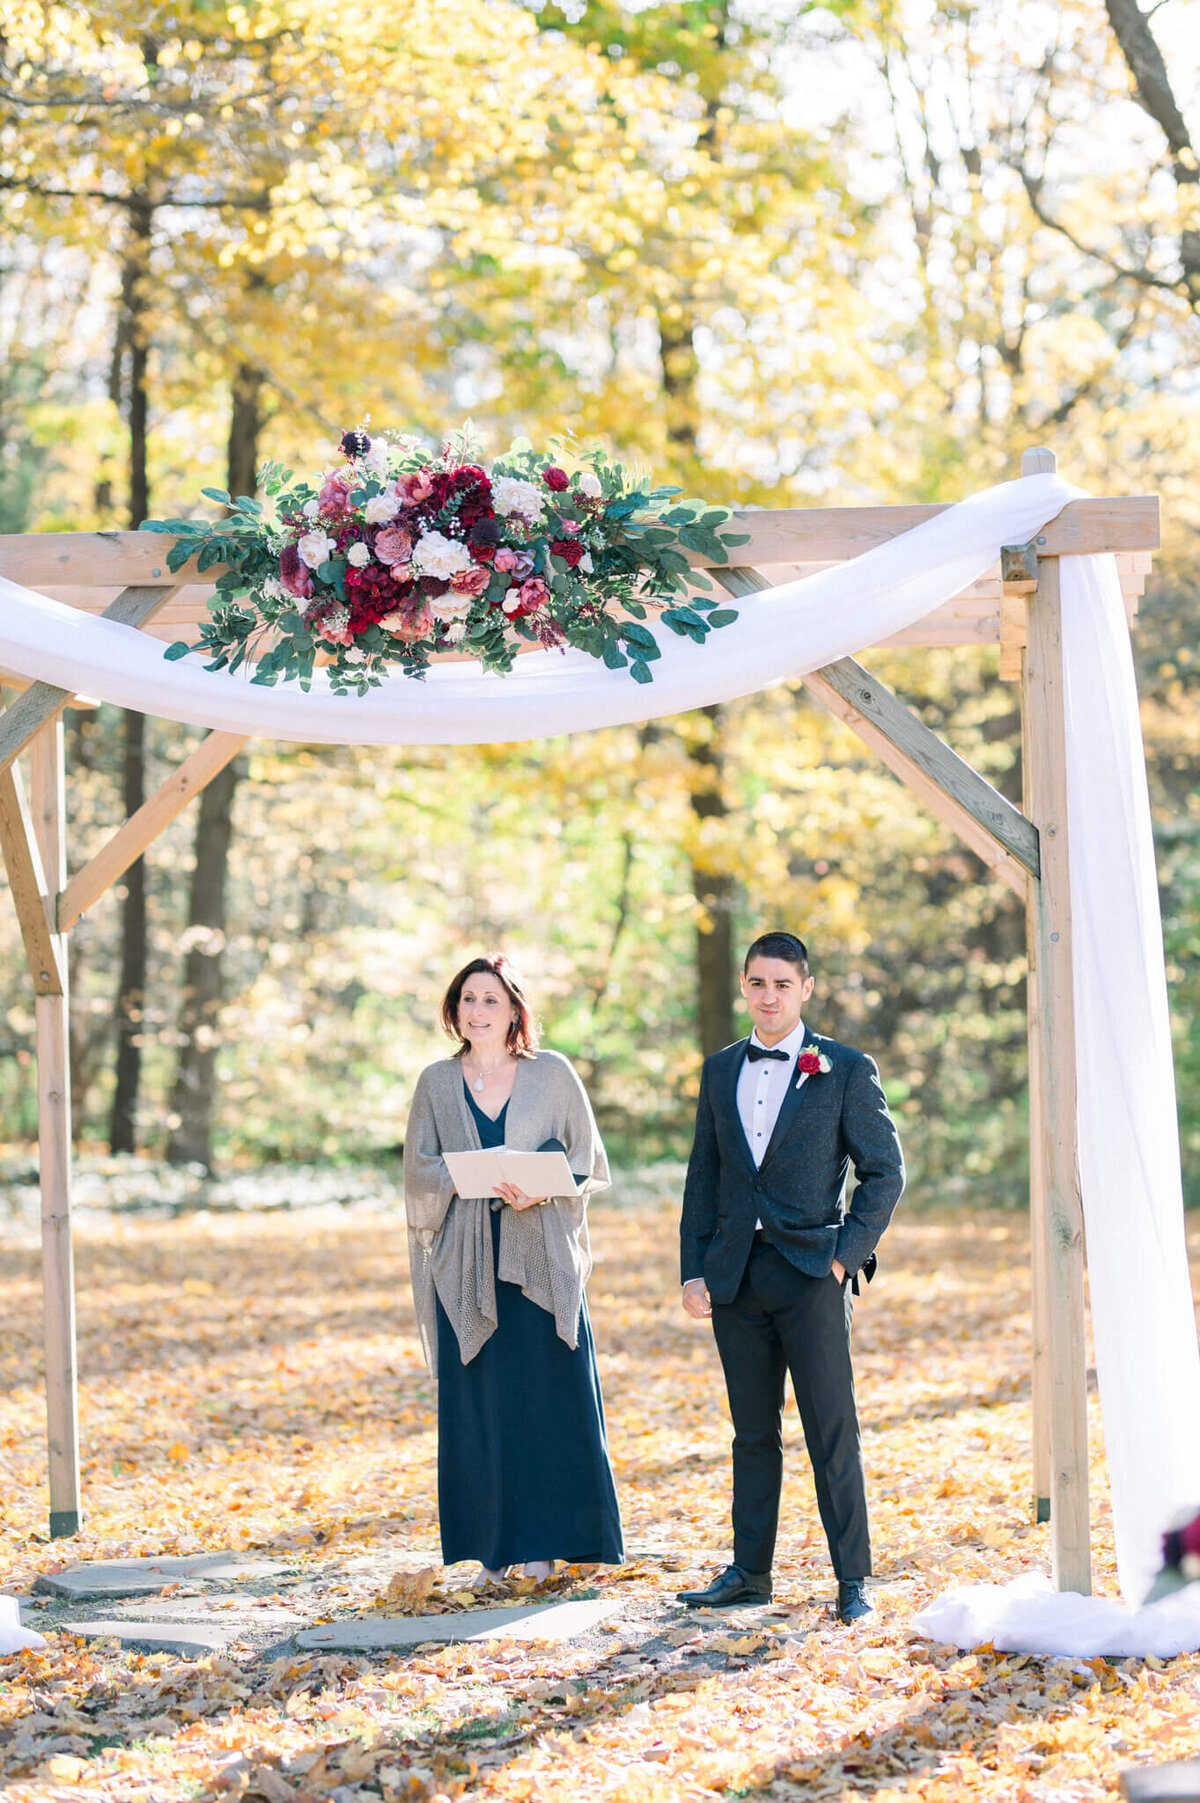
<point x="770" y="1250"/>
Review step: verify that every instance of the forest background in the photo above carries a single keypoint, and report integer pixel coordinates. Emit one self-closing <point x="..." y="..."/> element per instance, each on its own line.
<point x="781" y="254"/>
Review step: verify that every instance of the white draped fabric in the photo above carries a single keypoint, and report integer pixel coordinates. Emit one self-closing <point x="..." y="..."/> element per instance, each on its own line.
<point x="1144" y="1326"/>
<point x="13" y="1637"/>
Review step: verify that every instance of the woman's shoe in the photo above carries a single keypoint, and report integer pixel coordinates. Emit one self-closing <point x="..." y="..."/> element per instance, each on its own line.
<point x="484" y="1576"/>
<point x="539" y="1569"/>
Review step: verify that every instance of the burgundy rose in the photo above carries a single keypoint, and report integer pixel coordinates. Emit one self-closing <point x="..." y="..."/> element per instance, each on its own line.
<point x="293" y="573"/>
<point x="394" y="545"/>
<point x="569" y="549"/>
<point x="1189" y="1537"/>
<point x="556" y="479"/>
<point x="354" y="443"/>
<point x="809" y="1063"/>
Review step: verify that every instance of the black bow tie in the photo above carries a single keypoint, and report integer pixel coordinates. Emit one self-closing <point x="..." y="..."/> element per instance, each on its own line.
<point x="755" y="1052"/>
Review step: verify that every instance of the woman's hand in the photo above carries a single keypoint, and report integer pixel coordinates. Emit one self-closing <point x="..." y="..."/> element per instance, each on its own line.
<point x="516" y="1198"/>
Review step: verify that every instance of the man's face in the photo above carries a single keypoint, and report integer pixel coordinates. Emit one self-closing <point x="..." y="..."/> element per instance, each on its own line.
<point x="775" y="993"/>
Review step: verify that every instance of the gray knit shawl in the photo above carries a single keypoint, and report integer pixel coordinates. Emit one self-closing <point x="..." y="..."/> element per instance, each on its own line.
<point x="545" y="1250"/>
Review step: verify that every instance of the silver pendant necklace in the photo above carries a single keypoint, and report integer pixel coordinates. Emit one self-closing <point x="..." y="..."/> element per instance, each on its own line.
<point x="477" y="1086"/>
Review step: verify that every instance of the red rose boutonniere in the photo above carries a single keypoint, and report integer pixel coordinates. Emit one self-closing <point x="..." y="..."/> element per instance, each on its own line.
<point x="811" y="1063"/>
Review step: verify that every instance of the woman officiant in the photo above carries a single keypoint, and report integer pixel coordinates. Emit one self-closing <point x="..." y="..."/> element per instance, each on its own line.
<point x="523" y="1470"/>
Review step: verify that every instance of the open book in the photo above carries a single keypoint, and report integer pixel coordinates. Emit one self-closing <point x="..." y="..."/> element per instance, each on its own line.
<point x="476" y="1174"/>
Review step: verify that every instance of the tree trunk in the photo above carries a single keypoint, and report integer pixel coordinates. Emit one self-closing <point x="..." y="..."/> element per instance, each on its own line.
<point x="198" y="1036"/>
<point x="190" y="1141"/>
<point x="715" y="892"/>
<point x="245" y="424"/>
<point x="131" y="992"/>
<point x="131" y="364"/>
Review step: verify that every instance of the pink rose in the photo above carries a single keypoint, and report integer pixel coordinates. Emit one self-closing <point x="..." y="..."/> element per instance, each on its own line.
<point x="394" y="546"/>
<point x="469" y="582"/>
<point x="336" y="635"/>
<point x="335" y="493"/>
<point x="506" y="558"/>
<point x="409" y="625"/>
<point x="417" y="486"/>
<point x="534" y="592"/>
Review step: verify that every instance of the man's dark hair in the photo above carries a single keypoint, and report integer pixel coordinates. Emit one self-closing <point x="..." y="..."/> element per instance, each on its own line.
<point x="779" y="945"/>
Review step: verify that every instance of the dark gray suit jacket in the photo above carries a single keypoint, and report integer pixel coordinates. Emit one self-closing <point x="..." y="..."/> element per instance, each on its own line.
<point x="799" y="1191"/>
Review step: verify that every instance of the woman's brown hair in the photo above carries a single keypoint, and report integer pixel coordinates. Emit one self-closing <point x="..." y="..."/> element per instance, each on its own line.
<point x="522" y="1037"/>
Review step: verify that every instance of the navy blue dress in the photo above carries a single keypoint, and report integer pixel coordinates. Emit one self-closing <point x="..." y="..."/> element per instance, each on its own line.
<point x="523" y="1469"/>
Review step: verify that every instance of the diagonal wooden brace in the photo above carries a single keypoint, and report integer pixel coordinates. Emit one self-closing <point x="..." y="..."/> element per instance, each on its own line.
<point x="899" y="726"/>
<point x="130" y="841"/>
<point x="43" y="701"/>
<point x="27" y="881"/>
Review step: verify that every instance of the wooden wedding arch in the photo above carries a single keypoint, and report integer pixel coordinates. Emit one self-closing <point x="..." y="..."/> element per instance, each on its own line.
<point x="1015" y="606"/>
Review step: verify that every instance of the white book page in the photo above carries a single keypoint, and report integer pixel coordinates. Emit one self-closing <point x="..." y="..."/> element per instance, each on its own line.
<point x="476" y="1174"/>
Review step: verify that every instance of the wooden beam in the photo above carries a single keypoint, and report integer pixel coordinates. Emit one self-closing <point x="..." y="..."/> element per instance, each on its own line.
<point x="874" y="701"/>
<point x="28" y="886"/>
<point x="1054" y="1186"/>
<point x="54" y="1162"/>
<point x="936" y="799"/>
<point x="777" y="535"/>
<point x="40" y="560"/>
<point x="43" y="701"/>
<point x="130" y="841"/>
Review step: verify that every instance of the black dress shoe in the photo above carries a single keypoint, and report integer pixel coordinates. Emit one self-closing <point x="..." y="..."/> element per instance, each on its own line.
<point x="853" y="1601"/>
<point x="734" y="1589"/>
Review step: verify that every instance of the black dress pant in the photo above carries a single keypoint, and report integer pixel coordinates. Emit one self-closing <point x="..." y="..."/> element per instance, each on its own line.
<point x="781" y="1321"/>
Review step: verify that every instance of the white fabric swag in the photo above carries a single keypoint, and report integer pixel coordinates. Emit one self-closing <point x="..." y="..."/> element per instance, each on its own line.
<point x="1146" y="1351"/>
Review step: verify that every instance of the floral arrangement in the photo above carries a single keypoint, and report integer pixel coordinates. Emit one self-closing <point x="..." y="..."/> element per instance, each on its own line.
<point x="397" y="555"/>
<point x="1181" y="1557"/>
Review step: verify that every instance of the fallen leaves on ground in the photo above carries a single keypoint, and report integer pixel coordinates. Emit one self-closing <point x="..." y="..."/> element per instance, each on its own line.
<point x="254" y="1382"/>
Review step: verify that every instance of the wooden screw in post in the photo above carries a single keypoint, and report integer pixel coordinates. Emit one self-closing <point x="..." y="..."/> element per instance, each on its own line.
<point x="54" y="1146"/>
<point x="1057" y="1237"/>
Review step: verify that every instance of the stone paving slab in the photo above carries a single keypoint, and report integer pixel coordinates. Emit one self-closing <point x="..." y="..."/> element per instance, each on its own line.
<point x="104" y="1579"/>
<point x="547" y="1622"/>
<point x="245" y="1611"/>
<point x="188" y="1638"/>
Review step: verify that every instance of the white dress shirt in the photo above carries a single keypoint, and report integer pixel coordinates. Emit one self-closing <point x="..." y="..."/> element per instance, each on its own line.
<point x="761" y="1088"/>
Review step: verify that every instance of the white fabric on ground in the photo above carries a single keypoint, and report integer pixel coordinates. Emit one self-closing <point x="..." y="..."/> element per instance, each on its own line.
<point x="1030" y="1616"/>
<point x="1148" y="1362"/>
<point x="13" y="1637"/>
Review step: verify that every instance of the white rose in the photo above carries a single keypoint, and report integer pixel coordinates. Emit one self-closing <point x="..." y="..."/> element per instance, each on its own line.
<point x="315" y="547"/>
<point x="355" y="655"/>
<point x="512" y="494"/>
<point x="589" y="485"/>
<point x="382" y="508"/>
<point x="376" y="458"/>
<point x="451" y="606"/>
<point x="511" y="601"/>
<point x="585" y="563"/>
<point x="311" y="509"/>
<point x="272" y="589"/>
<point x="436" y="555"/>
<point x="456" y="632"/>
<point x="359" y="555"/>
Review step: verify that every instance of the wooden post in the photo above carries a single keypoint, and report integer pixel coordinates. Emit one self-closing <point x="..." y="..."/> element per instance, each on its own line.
<point x="1060" y="1373"/>
<point x="54" y="1153"/>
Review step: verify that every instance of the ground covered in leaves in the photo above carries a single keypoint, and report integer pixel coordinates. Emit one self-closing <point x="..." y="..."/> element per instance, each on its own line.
<point x="252" y="1381"/>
